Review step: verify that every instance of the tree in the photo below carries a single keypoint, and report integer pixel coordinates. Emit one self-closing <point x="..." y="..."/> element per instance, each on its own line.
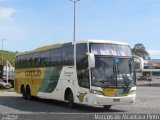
<point x="140" y="50"/>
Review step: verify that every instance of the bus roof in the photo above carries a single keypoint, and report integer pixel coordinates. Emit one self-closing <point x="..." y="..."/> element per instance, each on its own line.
<point x="47" y="47"/>
<point x="101" y="41"/>
<point x="60" y="44"/>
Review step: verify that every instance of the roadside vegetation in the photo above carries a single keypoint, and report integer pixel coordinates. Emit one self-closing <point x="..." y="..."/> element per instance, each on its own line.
<point x="8" y="55"/>
<point x="6" y="90"/>
<point x="140" y="50"/>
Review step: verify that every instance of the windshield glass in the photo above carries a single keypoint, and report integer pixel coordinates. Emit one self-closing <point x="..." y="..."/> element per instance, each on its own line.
<point x="110" y="49"/>
<point x="113" y="72"/>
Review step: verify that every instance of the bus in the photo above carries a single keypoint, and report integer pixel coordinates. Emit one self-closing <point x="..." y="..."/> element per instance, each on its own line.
<point x="139" y="63"/>
<point x="139" y="66"/>
<point x="89" y="72"/>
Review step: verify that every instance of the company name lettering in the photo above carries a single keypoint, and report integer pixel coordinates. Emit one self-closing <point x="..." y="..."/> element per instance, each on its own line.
<point x="35" y="73"/>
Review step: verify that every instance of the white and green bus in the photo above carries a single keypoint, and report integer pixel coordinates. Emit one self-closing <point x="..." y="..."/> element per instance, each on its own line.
<point x="89" y="72"/>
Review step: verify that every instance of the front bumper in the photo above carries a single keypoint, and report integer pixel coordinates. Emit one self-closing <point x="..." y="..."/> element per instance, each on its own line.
<point x="100" y="100"/>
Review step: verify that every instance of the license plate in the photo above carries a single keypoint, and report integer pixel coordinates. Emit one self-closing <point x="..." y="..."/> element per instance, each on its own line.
<point x="116" y="100"/>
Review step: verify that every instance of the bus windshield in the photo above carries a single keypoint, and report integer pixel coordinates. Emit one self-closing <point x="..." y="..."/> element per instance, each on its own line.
<point x="108" y="73"/>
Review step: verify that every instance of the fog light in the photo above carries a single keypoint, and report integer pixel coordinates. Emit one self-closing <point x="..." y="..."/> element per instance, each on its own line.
<point x="96" y="92"/>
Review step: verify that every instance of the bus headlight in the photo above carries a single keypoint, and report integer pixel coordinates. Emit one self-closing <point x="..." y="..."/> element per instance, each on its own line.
<point x="132" y="92"/>
<point x="97" y="92"/>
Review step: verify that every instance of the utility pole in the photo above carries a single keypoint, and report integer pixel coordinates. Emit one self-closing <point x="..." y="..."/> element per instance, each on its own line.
<point x="74" y="25"/>
<point x="74" y="32"/>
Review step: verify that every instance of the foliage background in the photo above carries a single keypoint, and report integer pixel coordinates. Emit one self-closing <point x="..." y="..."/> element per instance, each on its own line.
<point x="7" y="55"/>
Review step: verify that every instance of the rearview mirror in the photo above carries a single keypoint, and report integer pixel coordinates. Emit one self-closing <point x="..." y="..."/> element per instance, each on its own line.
<point x="91" y="60"/>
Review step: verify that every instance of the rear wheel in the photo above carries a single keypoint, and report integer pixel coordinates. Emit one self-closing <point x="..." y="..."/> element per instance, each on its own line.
<point x="70" y="100"/>
<point x="28" y="93"/>
<point x="107" y="107"/>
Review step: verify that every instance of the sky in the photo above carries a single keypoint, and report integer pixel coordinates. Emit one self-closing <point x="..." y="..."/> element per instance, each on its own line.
<point x="28" y="24"/>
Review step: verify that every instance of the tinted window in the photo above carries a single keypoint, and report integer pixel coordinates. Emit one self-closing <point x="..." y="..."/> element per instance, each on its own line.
<point x="82" y="65"/>
<point x="29" y="61"/>
<point x="20" y="61"/>
<point x="23" y="61"/>
<point x="67" y="55"/>
<point x="17" y="62"/>
<point x="45" y="58"/>
<point x="81" y="56"/>
<point x="36" y="60"/>
<point x="56" y="57"/>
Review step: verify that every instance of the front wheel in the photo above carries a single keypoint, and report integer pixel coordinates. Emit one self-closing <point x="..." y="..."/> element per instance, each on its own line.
<point x="70" y="100"/>
<point x="107" y="107"/>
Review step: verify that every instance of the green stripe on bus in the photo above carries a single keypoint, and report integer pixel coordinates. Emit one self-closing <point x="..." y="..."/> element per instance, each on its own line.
<point x="50" y="80"/>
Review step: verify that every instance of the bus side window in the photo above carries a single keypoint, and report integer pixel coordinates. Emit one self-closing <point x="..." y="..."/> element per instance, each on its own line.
<point x="23" y="61"/>
<point x="67" y="55"/>
<point x="36" y="59"/>
<point x="82" y="65"/>
<point x="17" y="62"/>
<point x="28" y="61"/>
<point x="56" y="57"/>
<point x="45" y="58"/>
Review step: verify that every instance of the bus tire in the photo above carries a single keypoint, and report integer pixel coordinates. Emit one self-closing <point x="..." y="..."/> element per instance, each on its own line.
<point x="107" y="107"/>
<point x="70" y="100"/>
<point x="23" y="92"/>
<point x="28" y="93"/>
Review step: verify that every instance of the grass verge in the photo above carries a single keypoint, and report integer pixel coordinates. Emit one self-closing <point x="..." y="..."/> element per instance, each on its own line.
<point x="7" y="90"/>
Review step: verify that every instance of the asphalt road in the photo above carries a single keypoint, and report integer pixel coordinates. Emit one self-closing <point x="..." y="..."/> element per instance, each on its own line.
<point x="147" y="102"/>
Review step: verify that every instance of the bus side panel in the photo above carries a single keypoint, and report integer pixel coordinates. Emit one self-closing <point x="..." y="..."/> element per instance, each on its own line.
<point x="19" y="80"/>
<point x="31" y="77"/>
<point x="68" y="79"/>
<point x="51" y="84"/>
